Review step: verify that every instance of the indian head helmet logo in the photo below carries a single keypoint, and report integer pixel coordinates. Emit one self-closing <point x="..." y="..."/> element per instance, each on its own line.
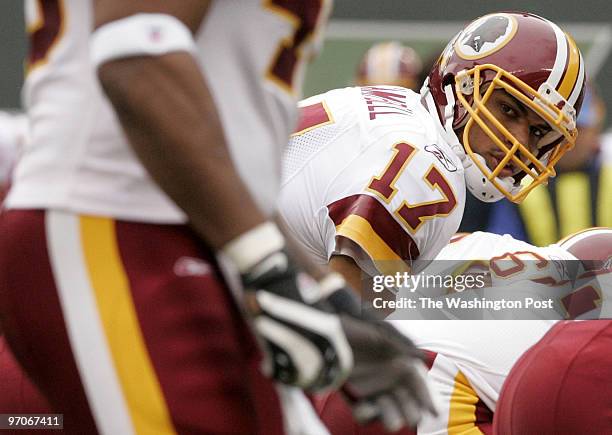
<point x="485" y="36"/>
<point x="489" y="31"/>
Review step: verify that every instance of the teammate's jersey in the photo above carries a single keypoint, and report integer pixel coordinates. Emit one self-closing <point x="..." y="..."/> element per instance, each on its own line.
<point x="485" y="351"/>
<point x="78" y="158"/>
<point x="367" y="175"/>
<point x="506" y="259"/>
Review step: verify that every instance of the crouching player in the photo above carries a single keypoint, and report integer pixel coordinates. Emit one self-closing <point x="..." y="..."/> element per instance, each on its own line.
<point x="563" y="383"/>
<point x="468" y="361"/>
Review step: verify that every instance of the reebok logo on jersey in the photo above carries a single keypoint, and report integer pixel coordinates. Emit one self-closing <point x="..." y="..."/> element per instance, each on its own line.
<point x="190" y="266"/>
<point x="442" y="157"/>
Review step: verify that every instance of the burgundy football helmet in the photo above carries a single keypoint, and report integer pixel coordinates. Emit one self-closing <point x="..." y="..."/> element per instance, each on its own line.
<point x="534" y="61"/>
<point x="593" y="247"/>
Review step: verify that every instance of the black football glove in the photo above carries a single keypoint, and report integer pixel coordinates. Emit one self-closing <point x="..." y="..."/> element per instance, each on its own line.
<point x="387" y="382"/>
<point x="306" y="343"/>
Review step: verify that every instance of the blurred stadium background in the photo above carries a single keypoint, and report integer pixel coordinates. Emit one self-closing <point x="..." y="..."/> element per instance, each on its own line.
<point x="357" y="24"/>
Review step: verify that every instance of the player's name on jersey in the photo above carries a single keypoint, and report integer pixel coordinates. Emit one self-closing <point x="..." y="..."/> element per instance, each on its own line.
<point x="383" y="101"/>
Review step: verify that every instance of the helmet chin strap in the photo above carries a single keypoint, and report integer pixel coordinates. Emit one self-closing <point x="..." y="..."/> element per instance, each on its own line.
<point x="476" y="182"/>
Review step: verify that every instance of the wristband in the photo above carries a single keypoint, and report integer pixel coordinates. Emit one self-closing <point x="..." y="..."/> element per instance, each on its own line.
<point x="140" y="35"/>
<point x="248" y="249"/>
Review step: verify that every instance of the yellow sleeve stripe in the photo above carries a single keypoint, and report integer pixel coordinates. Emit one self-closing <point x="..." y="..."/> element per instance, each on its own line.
<point x="361" y="232"/>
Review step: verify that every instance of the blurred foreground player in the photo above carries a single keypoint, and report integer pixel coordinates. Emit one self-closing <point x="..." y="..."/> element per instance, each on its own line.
<point x="117" y="308"/>
<point x="563" y="384"/>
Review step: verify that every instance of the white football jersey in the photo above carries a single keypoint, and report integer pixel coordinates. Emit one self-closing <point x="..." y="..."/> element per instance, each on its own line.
<point x="252" y="55"/>
<point x="485" y="351"/>
<point x="506" y="259"/>
<point x="367" y="175"/>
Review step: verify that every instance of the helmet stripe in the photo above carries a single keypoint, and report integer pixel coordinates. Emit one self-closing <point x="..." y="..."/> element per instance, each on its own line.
<point x="570" y="77"/>
<point x="560" y="60"/>
<point x="579" y="83"/>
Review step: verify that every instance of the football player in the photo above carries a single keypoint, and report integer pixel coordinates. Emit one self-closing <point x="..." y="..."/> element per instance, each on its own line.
<point x="374" y="178"/>
<point x="118" y="309"/>
<point x="563" y="383"/>
<point x="468" y="361"/>
<point x="390" y="63"/>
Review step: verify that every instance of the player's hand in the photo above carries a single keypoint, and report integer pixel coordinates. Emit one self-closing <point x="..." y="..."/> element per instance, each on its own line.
<point x="387" y="382"/>
<point x="306" y="343"/>
<point x="309" y="345"/>
<point x="314" y="345"/>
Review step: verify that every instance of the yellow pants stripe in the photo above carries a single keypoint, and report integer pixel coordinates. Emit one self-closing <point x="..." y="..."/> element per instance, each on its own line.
<point x="134" y="369"/>
<point x="462" y="413"/>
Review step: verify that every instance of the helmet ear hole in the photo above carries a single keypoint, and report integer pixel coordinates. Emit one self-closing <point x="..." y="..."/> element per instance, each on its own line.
<point x="449" y="79"/>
